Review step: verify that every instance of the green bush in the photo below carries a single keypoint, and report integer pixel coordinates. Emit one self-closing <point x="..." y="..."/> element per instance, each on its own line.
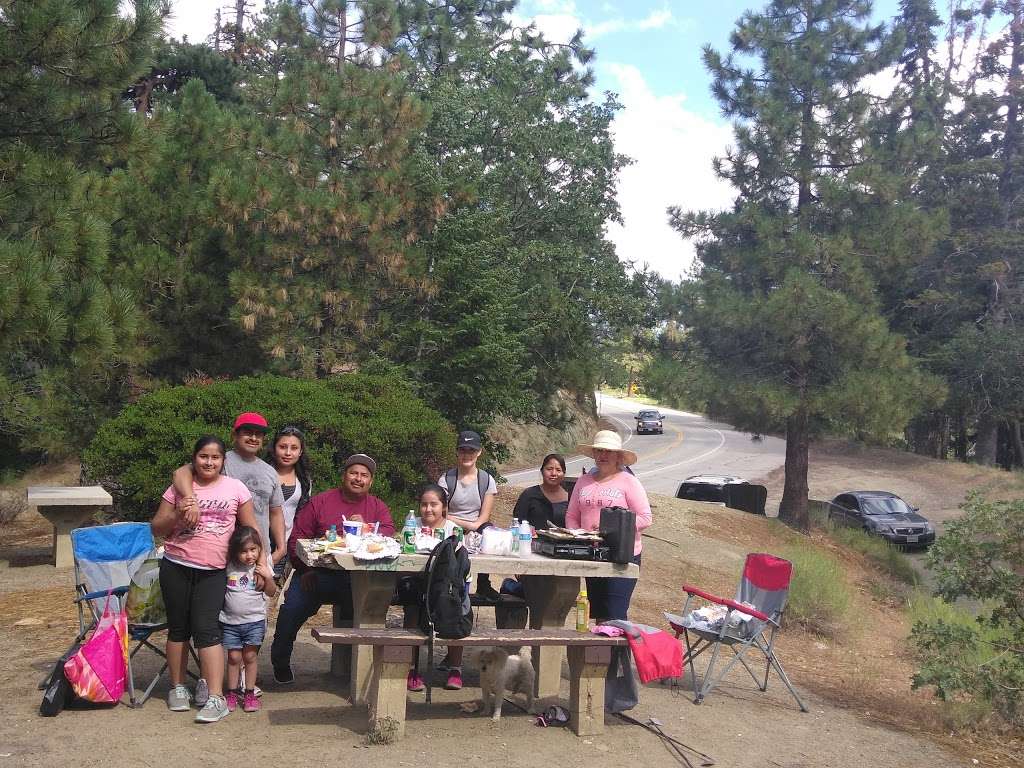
<point x="818" y="595"/>
<point x="134" y="454"/>
<point x="979" y="561"/>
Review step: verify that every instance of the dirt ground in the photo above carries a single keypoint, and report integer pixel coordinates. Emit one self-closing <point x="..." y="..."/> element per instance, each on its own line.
<point x="862" y="711"/>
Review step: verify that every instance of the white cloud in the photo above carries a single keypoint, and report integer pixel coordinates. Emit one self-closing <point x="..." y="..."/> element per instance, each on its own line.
<point x="195" y="18"/>
<point x="559" y="20"/>
<point x="672" y="148"/>
<point x="656" y="19"/>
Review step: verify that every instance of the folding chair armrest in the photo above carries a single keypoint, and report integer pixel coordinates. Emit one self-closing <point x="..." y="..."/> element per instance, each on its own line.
<point x="116" y="591"/>
<point x="691" y="590"/>
<point x="727" y="602"/>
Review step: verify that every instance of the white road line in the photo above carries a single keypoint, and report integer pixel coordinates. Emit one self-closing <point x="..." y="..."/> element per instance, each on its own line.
<point x="704" y="455"/>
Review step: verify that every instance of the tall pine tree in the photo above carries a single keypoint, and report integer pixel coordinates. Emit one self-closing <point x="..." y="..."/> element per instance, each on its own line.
<point x="784" y="309"/>
<point x="66" y="325"/>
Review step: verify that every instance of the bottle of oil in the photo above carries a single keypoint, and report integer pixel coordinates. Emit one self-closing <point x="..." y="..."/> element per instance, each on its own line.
<point x="582" y="611"/>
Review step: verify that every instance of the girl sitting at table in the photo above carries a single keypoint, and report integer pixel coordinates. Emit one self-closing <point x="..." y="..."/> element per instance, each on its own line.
<point x="434" y="513"/>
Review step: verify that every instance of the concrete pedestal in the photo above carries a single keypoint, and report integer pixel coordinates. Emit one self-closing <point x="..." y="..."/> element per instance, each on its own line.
<point x="66" y="508"/>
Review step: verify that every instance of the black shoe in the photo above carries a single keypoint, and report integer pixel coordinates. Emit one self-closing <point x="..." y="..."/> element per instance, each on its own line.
<point x="484" y="591"/>
<point x="283" y="674"/>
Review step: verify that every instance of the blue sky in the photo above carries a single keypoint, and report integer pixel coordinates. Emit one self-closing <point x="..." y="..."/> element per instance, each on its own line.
<point x="649" y="53"/>
<point x="667" y="49"/>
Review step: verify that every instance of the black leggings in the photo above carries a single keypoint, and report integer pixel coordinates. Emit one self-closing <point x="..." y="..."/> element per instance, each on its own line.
<point x="193" y="597"/>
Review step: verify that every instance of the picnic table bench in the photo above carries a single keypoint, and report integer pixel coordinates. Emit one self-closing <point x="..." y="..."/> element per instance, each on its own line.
<point x="549" y="585"/>
<point x="589" y="657"/>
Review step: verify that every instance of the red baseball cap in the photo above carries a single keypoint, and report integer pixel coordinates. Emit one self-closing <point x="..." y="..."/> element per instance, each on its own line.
<point x="252" y="420"/>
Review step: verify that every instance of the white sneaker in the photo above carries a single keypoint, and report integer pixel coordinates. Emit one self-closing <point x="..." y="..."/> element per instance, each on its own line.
<point x="202" y="692"/>
<point x="216" y="709"/>
<point x="179" y="699"/>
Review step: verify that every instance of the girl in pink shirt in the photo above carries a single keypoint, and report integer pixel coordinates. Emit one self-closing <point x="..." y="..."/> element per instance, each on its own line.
<point x="609" y="485"/>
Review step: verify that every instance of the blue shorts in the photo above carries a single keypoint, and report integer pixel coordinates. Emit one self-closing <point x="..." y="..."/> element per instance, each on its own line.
<point x="239" y="636"/>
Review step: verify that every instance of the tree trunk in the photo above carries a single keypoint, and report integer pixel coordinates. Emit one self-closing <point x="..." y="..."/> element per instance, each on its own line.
<point x="239" y="20"/>
<point x="988" y="440"/>
<point x="793" y="509"/>
<point x="1018" y="443"/>
<point x="960" y="446"/>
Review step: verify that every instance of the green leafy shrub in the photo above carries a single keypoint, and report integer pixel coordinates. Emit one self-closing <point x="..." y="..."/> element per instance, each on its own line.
<point x="134" y="454"/>
<point x="979" y="557"/>
<point x="818" y="595"/>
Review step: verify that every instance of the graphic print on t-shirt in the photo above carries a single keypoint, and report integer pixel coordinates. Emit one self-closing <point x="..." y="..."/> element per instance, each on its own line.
<point x="215" y="517"/>
<point x="240" y="581"/>
<point x="604" y="496"/>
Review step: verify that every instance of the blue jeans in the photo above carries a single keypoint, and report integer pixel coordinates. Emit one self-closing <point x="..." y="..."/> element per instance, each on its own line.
<point x="332" y="588"/>
<point x="239" y="636"/>
<point x="609" y="597"/>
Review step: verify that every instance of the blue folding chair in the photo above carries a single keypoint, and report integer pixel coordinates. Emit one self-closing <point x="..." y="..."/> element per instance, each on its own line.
<point x="106" y="556"/>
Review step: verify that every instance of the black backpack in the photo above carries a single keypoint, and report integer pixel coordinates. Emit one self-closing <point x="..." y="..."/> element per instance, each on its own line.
<point x="447" y="612"/>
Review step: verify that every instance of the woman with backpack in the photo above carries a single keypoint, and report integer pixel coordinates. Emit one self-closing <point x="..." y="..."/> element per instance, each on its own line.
<point x="471" y="493"/>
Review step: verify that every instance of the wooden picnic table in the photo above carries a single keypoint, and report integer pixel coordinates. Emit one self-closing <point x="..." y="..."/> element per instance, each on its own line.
<point x="550" y="587"/>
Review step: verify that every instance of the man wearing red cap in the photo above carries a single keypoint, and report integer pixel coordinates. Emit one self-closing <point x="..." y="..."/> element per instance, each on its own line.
<point x="243" y="463"/>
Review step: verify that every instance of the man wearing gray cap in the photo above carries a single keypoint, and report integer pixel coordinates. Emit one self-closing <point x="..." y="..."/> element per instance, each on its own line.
<point x="311" y="588"/>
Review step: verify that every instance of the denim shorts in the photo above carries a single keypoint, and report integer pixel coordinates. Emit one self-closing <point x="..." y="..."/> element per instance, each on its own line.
<point x="238" y="636"/>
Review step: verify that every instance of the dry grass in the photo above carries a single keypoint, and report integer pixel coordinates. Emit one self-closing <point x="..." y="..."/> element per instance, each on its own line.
<point x="866" y="668"/>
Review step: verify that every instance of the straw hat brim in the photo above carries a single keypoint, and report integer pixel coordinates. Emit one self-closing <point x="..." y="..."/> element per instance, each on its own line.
<point x="626" y="457"/>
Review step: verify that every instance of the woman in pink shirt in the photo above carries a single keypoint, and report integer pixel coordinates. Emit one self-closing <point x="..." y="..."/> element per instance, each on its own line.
<point x="608" y="485"/>
<point x="192" y="572"/>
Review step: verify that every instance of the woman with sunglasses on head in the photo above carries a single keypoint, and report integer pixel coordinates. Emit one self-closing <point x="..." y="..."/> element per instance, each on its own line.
<point x="287" y="454"/>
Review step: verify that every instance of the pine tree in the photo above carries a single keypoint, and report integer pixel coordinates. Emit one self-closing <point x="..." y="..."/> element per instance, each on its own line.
<point x="66" y="325"/>
<point x="529" y="170"/>
<point x="785" y="309"/>
<point x="324" y="210"/>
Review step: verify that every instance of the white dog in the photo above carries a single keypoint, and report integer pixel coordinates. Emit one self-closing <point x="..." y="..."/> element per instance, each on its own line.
<point x="501" y="671"/>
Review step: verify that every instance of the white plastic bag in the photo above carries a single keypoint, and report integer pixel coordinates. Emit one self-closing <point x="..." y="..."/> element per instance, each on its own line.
<point x="497" y="541"/>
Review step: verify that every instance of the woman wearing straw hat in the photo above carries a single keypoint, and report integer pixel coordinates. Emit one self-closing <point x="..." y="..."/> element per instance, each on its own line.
<point x="608" y="485"/>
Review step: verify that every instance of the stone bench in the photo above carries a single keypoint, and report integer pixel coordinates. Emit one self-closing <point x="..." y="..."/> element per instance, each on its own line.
<point x="589" y="657"/>
<point x="66" y="508"/>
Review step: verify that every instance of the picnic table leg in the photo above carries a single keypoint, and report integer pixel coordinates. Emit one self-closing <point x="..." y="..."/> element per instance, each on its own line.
<point x="341" y="655"/>
<point x="387" y="692"/>
<point x="588" y="666"/>
<point x="371" y="597"/>
<point x="550" y="599"/>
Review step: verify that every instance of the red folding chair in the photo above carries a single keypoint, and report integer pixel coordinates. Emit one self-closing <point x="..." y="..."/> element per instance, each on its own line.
<point x="742" y="629"/>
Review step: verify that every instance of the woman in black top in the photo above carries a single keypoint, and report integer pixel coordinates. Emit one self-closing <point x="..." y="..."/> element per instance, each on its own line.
<point x="545" y="504"/>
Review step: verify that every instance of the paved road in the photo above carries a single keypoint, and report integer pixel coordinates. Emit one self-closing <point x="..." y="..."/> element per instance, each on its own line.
<point x="691" y="445"/>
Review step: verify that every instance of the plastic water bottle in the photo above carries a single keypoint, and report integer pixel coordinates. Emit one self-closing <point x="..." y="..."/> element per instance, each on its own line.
<point x="332" y="533"/>
<point x="515" y="536"/>
<point x="409" y="534"/>
<point x="525" y="536"/>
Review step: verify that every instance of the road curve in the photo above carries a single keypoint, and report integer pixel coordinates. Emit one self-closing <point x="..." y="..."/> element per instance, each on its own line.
<point x="690" y="445"/>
